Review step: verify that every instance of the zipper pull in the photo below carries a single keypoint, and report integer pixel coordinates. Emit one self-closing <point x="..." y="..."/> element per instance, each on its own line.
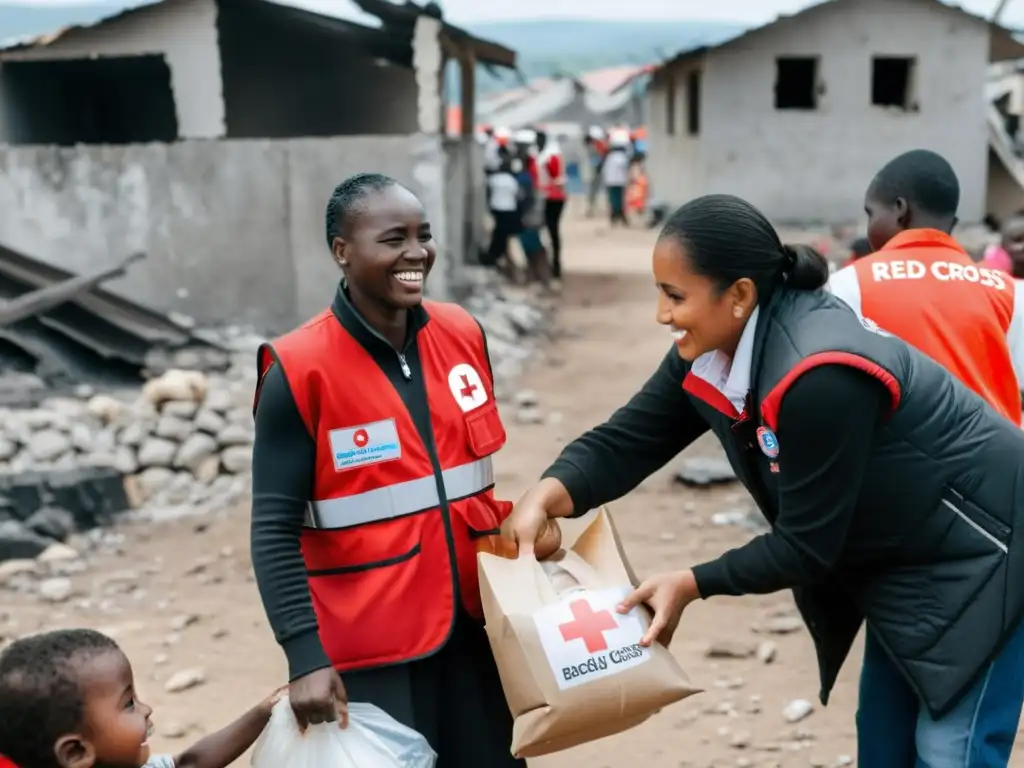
<point x="406" y="370"/>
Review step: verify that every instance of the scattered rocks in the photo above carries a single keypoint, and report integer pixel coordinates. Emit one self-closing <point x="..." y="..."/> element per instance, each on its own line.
<point x="514" y="318"/>
<point x="14" y="569"/>
<point x="55" y="590"/>
<point x="767" y="651"/>
<point x="729" y="649"/>
<point x="740" y="740"/>
<point x="175" y="730"/>
<point x="185" y="680"/>
<point x="782" y="625"/>
<point x="17" y="542"/>
<point x="742" y="516"/>
<point x="797" y="710"/>
<point x="58" y="553"/>
<point x="701" y="472"/>
<point x="179" y="623"/>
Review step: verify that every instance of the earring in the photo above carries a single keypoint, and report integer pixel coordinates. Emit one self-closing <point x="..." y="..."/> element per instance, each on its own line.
<point x="737" y="312"/>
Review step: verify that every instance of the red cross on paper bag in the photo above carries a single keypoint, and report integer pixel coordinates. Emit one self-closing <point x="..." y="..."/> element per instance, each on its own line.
<point x="588" y="625"/>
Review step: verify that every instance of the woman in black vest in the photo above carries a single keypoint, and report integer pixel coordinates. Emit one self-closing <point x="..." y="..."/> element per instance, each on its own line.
<point x="893" y="491"/>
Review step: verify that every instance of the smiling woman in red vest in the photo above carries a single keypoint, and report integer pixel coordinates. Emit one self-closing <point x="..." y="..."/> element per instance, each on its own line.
<point x="372" y="483"/>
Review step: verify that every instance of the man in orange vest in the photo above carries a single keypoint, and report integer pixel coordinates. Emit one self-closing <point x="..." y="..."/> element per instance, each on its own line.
<point x="922" y="286"/>
<point x="373" y="485"/>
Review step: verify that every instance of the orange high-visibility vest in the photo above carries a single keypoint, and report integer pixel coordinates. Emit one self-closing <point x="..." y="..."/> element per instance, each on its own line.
<point x="923" y="287"/>
<point x="390" y="534"/>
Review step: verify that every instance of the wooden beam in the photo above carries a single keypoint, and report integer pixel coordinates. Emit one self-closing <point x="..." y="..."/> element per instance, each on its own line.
<point x="467" y="88"/>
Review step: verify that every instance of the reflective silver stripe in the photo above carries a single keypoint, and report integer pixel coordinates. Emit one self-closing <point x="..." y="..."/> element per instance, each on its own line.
<point x="1002" y="547"/>
<point x="399" y="499"/>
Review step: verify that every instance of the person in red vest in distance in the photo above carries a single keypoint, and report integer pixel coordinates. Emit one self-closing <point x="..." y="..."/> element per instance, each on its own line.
<point x="921" y="285"/>
<point x="551" y="170"/>
<point x="372" y="486"/>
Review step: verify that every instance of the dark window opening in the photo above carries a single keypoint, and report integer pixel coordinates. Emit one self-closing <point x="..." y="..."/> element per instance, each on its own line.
<point x="670" y="105"/>
<point x="796" y="82"/>
<point x="693" y="102"/>
<point x="107" y="100"/>
<point x="892" y="82"/>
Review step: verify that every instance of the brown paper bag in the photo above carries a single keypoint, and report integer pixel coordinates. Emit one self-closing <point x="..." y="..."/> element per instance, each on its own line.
<point x="571" y="665"/>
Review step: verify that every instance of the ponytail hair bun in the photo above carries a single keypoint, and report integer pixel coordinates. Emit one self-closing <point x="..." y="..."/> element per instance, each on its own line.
<point x="806" y="268"/>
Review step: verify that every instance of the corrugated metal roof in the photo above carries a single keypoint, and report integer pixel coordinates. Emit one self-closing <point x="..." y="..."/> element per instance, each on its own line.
<point x="535" y="107"/>
<point x="346" y="10"/>
<point x="611" y="79"/>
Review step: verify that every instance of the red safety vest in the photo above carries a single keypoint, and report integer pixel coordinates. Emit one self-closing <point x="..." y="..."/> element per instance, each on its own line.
<point x="552" y="176"/>
<point x="389" y="537"/>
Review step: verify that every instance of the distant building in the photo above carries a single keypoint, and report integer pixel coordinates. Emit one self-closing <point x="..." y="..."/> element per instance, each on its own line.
<point x="611" y="96"/>
<point x="797" y="115"/>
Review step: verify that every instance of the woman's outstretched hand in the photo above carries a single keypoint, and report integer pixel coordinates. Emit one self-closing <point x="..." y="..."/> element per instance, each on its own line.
<point x="667" y="594"/>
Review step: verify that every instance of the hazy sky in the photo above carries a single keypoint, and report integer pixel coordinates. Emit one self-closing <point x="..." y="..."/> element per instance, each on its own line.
<point x="747" y="11"/>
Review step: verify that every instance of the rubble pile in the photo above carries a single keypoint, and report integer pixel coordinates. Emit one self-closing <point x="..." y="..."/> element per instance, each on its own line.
<point x="514" y="318"/>
<point x="182" y="441"/>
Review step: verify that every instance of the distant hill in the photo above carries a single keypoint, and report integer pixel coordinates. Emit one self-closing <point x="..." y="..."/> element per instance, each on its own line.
<point x="18" y="21"/>
<point x="573" y="46"/>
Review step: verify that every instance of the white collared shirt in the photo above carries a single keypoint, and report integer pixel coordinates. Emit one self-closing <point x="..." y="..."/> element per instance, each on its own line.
<point x="730" y="375"/>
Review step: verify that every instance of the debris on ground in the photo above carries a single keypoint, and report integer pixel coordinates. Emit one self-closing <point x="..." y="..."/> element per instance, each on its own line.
<point x="65" y="329"/>
<point x="704" y="471"/>
<point x="515" y="320"/>
<point x="745" y="516"/>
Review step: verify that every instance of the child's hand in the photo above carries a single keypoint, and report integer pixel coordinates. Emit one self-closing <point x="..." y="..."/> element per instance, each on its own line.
<point x="268" y="704"/>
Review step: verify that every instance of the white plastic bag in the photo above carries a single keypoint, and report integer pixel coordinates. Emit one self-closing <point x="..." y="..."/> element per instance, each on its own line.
<point x="373" y="739"/>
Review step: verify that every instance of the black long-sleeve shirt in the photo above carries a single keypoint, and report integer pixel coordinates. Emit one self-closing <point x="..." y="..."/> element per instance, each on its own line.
<point x="827" y="423"/>
<point x="283" y="461"/>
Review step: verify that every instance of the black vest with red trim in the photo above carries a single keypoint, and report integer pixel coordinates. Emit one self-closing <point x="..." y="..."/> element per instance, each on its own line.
<point x="946" y="471"/>
<point x="390" y="534"/>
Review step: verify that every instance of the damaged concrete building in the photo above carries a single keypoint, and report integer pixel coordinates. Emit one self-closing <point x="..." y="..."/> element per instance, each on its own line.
<point x="209" y="135"/>
<point x="798" y="114"/>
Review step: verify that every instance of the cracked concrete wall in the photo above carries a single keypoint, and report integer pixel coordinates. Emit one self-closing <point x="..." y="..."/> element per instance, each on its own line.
<point x="234" y="230"/>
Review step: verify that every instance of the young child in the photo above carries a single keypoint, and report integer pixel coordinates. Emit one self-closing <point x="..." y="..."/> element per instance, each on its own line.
<point x="68" y="700"/>
<point x="1008" y="255"/>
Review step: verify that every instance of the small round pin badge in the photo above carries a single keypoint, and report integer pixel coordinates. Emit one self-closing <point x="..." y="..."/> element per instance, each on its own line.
<point x="768" y="443"/>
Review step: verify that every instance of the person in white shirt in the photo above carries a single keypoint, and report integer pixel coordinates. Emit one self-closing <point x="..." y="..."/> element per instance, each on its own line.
<point x="615" y="174"/>
<point x="492" y="152"/>
<point x="503" y="192"/>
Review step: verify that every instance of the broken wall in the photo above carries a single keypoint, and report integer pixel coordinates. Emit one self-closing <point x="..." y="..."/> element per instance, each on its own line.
<point x="184" y="33"/>
<point x="234" y="230"/>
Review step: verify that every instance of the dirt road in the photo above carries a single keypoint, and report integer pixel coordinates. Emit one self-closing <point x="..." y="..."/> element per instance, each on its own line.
<point x="181" y="596"/>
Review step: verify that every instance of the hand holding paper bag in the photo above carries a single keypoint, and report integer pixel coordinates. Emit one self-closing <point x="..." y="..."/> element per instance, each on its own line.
<point x="531" y="529"/>
<point x="667" y="594"/>
<point x="572" y="666"/>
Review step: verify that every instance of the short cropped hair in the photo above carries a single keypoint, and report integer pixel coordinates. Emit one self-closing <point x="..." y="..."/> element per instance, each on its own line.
<point x="923" y="178"/>
<point x="348" y="196"/>
<point x="40" y="695"/>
